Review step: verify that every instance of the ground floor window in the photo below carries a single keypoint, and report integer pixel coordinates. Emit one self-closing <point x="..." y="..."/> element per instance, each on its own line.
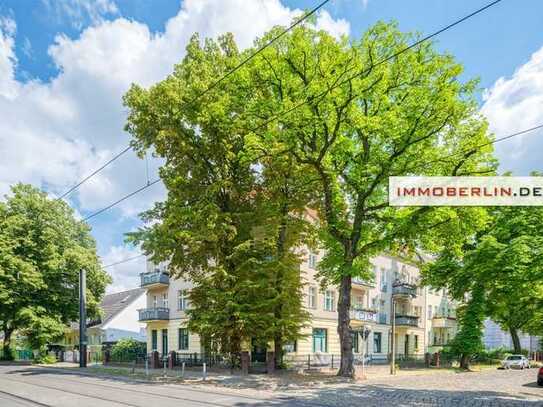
<point x="320" y="340"/>
<point x="164" y="341"/>
<point x="416" y="342"/>
<point x="183" y="339"/>
<point x="290" y="347"/>
<point x="355" y="342"/>
<point x="377" y="342"/>
<point x="154" y="340"/>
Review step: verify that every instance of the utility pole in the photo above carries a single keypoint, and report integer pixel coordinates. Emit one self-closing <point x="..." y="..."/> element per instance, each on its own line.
<point x="392" y="335"/>
<point x="82" y="318"/>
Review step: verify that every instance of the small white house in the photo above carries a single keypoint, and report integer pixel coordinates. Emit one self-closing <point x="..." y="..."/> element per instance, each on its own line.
<point x="119" y="320"/>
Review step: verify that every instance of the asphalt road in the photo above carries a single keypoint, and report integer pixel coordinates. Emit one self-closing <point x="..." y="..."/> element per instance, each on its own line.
<point x="34" y="386"/>
<point x="46" y="387"/>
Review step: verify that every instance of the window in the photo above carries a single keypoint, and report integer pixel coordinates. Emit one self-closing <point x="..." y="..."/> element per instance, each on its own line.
<point x="320" y="340"/>
<point x="312" y="297"/>
<point x="154" y="340"/>
<point x="312" y="260"/>
<point x="383" y="280"/>
<point x="155" y="301"/>
<point x="165" y="300"/>
<point x="290" y="347"/>
<point x="164" y="342"/>
<point x="329" y="300"/>
<point x="182" y="300"/>
<point x="377" y="342"/>
<point x="416" y="342"/>
<point x="429" y="312"/>
<point x="355" y="341"/>
<point x="183" y="339"/>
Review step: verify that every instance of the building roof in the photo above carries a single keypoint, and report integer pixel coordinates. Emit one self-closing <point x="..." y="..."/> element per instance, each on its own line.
<point x="112" y="305"/>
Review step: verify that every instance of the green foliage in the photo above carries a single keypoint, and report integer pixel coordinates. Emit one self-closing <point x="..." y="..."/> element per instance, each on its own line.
<point x="469" y="340"/>
<point x="400" y="117"/>
<point x="127" y="349"/>
<point x="42" y="249"/>
<point x="231" y="219"/>
<point x="505" y="259"/>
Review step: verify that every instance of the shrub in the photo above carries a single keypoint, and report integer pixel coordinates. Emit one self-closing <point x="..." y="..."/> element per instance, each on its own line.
<point x="127" y="350"/>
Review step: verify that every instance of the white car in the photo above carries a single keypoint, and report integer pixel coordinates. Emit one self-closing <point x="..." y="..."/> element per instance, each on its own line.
<point x="515" y="362"/>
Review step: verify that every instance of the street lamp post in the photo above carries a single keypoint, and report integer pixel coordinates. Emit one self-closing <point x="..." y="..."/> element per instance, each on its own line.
<point x="392" y="335"/>
<point x="82" y="319"/>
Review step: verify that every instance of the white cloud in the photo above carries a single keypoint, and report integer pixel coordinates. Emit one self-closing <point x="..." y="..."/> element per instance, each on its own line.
<point x="55" y="133"/>
<point x="125" y="275"/>
<point x="514" y="104"/>
<point x="8" y="60"/>
<point x="79" y="12"/>
<point x="337" y="28"/>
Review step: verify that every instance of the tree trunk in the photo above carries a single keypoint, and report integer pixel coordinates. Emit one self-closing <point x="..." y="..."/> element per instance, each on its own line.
<point x="8" y="355"/>
<point x="278" y="351"/>
<point x="516" y="340"/>
<point x="346" y="368"/>
<point x="464" y="361"/>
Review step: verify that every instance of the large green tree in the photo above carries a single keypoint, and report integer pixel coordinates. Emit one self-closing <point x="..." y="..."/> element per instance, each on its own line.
<point x="228" y="224"/>
<point x="42" y="248"/>
<point x="505" y="263"/>
<point x="358" y="118"/>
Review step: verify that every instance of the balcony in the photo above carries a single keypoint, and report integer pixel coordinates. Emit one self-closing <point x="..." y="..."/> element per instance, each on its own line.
<point x="366" y="315"/>
<point x="442" y="321"/>
<point x="406" y="290"/>
<point x="407" y="320"/>
<point x="154" y="279"/>
<point x="154" y="314"/>
<point x="359" y="281"/>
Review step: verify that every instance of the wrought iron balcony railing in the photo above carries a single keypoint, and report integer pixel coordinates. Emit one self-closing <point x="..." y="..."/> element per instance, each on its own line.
<point x="154" y="314"/>
<point x="154" y="278"/>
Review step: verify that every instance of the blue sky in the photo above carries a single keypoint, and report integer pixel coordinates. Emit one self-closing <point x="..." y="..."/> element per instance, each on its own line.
<point x="64" y="65"/>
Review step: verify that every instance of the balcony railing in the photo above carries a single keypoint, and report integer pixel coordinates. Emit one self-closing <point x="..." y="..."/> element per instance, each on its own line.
<point x="154" y="278"/>
<point x="404" y="290"/>
<point x="407" y="320"/>
<point x="367" y="315"/>
<point x="442" y="321"/>
<point x="359" y="281"/>
<point x="154" y="314"/>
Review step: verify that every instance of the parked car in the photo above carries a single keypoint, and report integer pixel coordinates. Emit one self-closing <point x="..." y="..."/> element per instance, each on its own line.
<point x="515" y="362"/>
<point x="540" y="376"/>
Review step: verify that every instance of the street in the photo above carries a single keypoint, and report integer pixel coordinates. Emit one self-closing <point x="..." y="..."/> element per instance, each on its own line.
<point x="35" y="386"/>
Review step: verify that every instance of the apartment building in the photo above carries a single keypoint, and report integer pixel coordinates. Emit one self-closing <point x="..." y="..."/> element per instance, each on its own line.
<point x="424" y="319"/>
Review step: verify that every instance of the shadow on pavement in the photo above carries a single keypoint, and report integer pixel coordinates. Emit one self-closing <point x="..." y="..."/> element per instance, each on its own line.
<point x="342" y="395"/>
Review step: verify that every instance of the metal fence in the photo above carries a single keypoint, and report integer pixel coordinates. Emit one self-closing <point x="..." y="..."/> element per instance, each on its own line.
<point x="18" y="354"/>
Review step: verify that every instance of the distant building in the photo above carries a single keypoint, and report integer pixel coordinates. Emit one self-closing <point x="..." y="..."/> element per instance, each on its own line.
<point x="495" y="337"/>
<point x="119" y="320"/>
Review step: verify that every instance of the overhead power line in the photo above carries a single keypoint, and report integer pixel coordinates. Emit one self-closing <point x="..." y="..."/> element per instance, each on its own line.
<point x="210" y="87"/>
<point x="500" y="139"/>
<point x="92" y="215"/>
<point x="382" y="61"/>
<point x="123" y="261"/>
<point x="258" y="51"/>
<point x="93" y="173"/>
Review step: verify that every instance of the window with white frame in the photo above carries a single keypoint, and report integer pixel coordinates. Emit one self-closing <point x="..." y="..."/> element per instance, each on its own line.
<point x="312" y="260"/>
<point x="183" y="300"/>
<point x="429" y="312"/>
<point x="329" y="300"/>
<point x="312" y="297"/>
<point x="155" y="301"/>
<point x="165" y="300"/>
